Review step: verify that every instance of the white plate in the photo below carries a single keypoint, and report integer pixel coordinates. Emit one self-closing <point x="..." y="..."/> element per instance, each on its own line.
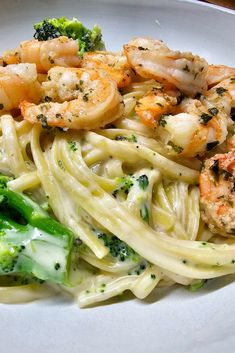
<point x="172" y="320"/>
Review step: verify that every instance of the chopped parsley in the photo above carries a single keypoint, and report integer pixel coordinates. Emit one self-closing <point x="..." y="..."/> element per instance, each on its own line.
<point x="162" y="121"/>
<point x="205" y="118"/>
<point x="78" y="86"/>
<point x="221" y="90"/>
<point x="215" y="168"/>
<point x="132" y="138"/>
<point x="213" y="111"/>
<point x="47" y="99"/>
<point x="142" y="48"/>
<point x="43" y="120"/>
<point x="57" y="266"/>
<point x="186" y="68"/>
<point x="176" y="148"/>
<point x="226" y="175"/>
<point x="52" y="61"/>
<point x="232" y="129"/>
<point x="86" y="97"/>
<point x="232" y="114"/>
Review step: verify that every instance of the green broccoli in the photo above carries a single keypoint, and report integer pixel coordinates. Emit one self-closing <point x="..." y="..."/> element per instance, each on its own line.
<point x="88" y="39"/>
<point x="197" y="284"/>
<point x="117" y="248"/>
<point x="126" y="182"/>
<point x="31" y="242"/>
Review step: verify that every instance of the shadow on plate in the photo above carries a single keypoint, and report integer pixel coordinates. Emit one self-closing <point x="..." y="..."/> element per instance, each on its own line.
<point x="159" y="293"/>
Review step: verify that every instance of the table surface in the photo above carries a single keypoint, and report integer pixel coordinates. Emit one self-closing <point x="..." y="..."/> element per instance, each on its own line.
<point x="226" y="3"/>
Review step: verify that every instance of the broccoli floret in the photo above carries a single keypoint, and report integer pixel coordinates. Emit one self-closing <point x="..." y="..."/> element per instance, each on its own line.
<point x="46" y="31"/>
<point x="117" y="248"/>
<point x="88" y="39"/>
<point x="31" y="242"/>
<point x="125" y="185"/>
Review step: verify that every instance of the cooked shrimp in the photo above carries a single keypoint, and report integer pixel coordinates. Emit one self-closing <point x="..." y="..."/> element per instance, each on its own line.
<point x="198" y="124"/>
<point x="17" y="83"/>
<point x="217" y="190"/>
<point x="76" y="99"/>
<point x="9" y="58"/>
<point x="113" y="63"/>
<point x="218" y="73"/>
<point x="60" y="51"/>
<point x="161" y="100"/>
<point x="153" y="59"/>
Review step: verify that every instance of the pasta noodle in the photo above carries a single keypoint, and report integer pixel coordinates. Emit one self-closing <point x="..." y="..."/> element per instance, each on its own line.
<point x="173" y="208"/>
<point x="116" y="186"/>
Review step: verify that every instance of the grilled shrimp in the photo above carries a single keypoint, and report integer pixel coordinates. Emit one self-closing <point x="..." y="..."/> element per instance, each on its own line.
<point x="9" y="58"/>
<point x="76" y="99"/>
<point x="60" y="51"/>
<point x="113" y="63"/>
<point x="218" y="73"/>
<point x="153" y="59"/>
<point x="197" y="125"/>
<point x="217" y="189"/>
<point x="161" y="100"/>
<point x="17" y="83"/>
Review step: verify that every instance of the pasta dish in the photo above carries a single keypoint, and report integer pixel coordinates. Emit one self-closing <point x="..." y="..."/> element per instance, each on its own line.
<point x="117" y="169"/>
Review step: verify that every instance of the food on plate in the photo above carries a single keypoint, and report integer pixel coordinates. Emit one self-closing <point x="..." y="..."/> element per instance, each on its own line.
<point x="218" y="193"/>
<point x="151" y="58"/>
<point x="117" y="169"/>
<point x="61" y="51"/>
<point x="88" y="39"/>
<point x="18" y="82"/>
<point x="218" y="73"/>
<point x="113" y="63"/>
<point x="193" y="125"/>
<point x="41" y="247"/>
<point x="76" y="98"/>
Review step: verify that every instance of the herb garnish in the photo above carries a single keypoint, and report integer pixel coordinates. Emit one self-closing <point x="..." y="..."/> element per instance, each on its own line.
<point x="142" y="48"/>
<point x="205" y="118"/>
<point x="176" y="148"/>
<point x="132" y="138"/>
<point x="43" y="120"/>
<point x="162" y="120"/>
<point x="220" y="91"/>
<point x="186" y="68"/>
<point x="214" y="111"/>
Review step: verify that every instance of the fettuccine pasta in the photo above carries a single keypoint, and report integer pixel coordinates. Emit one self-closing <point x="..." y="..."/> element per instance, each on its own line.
<point x="128" y="193"/>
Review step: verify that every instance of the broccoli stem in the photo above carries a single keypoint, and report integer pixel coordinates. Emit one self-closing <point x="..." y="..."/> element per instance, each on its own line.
<point x="33" y="213"/>
<point x="41" y="247"/>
